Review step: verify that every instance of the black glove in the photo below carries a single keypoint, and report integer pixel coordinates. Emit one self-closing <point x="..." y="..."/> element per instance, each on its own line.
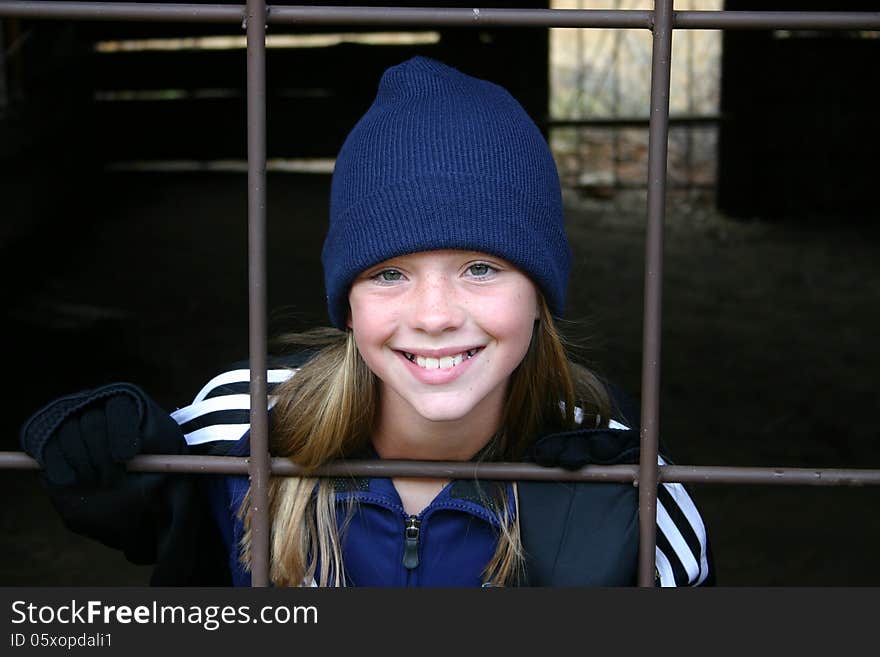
<point x="84" y="439"/>
<point x="574" y="449"/>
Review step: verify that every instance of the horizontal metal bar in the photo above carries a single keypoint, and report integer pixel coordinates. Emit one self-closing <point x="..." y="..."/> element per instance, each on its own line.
<point x="329" y="15"/>
<point x="462" y="17"/>
<point x="710" y="474"/>
<point x="124" y="11"/>
<point x="702" y="474"/>
<point x="779" y="20"/>
<point x="423" y="16"/>
<point x="631" y="122"/>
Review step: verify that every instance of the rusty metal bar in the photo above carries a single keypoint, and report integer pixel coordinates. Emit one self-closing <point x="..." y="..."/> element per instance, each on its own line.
<point x="778" y="20"/>
<point x="785" y="476"/>
<point x="259" y="436"/>
<point x="460" y="17"/>
<point x="662" y="21"/>
<point x="124" y="11"/>
<point x="696" y="474"/>
<point x="330" y="15"/>
<point x="658" y="134"/>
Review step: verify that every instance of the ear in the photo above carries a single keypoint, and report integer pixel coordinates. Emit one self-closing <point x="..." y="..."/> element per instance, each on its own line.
<point x="348" y="319"/>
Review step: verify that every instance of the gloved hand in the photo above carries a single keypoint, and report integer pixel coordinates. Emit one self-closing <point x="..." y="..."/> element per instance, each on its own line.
<point x="85" y="439"/>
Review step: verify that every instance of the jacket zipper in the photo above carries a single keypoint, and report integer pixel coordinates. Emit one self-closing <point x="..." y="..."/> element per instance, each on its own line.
<point x="411" y="542"/>
<point x="412" y="530"/>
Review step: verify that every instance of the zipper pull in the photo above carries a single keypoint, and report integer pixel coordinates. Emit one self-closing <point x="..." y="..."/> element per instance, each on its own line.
<point x="411" y="547"/>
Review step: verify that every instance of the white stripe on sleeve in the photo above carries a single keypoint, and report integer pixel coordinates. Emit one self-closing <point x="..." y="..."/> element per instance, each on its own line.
<point x="241" y="376"/>
<point x="204" y="405"/>
<point x="216" y="432"/>
<point x="679" y="545"/>
<point x="222" y="403"/>
<point x="687" y="507"/>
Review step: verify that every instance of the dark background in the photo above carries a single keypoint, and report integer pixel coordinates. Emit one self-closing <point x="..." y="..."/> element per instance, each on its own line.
<point x="770" y="304"/>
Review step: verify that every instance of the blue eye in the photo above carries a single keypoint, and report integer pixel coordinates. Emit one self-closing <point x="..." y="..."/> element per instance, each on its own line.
<point x="388" y="276"/>
<point x="480" y="270"/>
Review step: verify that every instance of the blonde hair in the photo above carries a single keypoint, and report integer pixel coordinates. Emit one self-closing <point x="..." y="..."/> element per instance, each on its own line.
<point x="326" y="412"/>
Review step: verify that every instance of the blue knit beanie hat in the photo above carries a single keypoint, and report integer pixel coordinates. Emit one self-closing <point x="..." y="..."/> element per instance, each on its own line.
<point x="442" y="160"/>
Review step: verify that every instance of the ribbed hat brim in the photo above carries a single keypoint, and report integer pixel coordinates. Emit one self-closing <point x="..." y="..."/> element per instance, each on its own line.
<point x="446" y="212"/>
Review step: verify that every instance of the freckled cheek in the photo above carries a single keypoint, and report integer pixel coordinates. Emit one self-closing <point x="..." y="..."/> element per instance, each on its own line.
<point x="512" y="320"/>
<point x="373" y="324"/>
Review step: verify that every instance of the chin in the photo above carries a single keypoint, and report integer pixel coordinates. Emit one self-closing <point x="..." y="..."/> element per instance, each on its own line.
<point x="450" y="412"/>
<point x="442" y="415"/>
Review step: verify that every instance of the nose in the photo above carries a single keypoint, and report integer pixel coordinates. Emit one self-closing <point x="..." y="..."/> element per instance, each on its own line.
<point x="435" y="306"/>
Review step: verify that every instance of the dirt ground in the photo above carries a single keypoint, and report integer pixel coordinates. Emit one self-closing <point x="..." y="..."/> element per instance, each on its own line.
<point x="768" y="353"/>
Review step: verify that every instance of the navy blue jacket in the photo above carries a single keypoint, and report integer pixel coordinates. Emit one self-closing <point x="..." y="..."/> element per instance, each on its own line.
<point x="573" y="534"/>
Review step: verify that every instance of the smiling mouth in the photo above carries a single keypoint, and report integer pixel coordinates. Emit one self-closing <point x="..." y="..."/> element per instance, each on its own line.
<point x="444" y="363"/>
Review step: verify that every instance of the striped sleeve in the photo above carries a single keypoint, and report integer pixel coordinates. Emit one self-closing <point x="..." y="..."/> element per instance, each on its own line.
<point x="221" y="409"/>
<point x="682" y="553"/>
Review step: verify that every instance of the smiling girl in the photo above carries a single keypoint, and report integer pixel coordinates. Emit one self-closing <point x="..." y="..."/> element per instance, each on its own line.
<point x="445" y="264"/>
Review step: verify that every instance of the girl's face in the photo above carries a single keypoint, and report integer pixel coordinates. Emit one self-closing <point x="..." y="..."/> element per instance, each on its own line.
<point x="443" y="331"/>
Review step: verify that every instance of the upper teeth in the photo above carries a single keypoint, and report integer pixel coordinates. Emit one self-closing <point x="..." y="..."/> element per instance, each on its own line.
<point x="443" y="363"/>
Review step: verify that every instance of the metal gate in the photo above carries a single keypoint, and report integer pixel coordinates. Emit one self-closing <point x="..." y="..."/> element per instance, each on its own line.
<point x="661" y="22"/>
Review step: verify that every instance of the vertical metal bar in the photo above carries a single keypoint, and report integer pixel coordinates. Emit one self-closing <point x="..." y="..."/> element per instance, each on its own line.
<point x="259" y="440"/>
<point x="658" y="135"/>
